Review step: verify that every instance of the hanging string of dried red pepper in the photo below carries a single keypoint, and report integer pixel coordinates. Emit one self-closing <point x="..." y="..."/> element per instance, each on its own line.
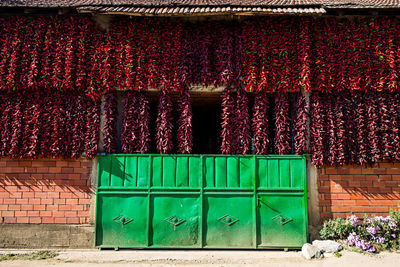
<point x="184" y="129"/>
<point x="129" y="135"/>
<point x="282" y="124"/>
<point x="110" y="123"/>
<point x="164" y="142"/>
<point x="242" y="120"/>
<point x="260" y="126"/>
<point x="228" y="127"/>
<point x="300" y="124"/>
<point x="144" y="119"/>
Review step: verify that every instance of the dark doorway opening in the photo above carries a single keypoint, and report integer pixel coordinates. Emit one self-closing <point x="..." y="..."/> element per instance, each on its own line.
<point x="206" y="122"/>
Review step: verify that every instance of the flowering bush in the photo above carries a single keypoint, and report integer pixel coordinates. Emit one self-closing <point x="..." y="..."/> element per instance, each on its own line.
<point x="369" y="234"/>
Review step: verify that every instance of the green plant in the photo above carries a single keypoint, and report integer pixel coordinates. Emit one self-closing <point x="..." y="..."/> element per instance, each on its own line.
<point x="337" y="254"/>
<point x="338" y="228"/>
<point x="39" y="255"/>
<point x="370" y="234"/>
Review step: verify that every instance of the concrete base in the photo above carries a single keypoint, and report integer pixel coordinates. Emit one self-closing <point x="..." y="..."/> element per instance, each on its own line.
<point x="46" y="236"/>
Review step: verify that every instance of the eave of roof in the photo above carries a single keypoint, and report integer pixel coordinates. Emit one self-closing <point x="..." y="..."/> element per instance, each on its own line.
<point x="199" y="10"/>
<point x="202" y="7"/>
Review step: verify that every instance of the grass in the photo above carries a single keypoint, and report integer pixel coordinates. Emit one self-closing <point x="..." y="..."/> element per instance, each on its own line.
<point x="38" y="255"/>
<point x="337" y="254"/>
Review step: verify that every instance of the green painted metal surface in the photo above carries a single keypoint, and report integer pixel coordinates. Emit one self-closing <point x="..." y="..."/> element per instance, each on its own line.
<point x="201" y="201"/>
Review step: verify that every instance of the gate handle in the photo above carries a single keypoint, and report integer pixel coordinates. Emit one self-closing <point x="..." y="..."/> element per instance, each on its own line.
<point x="175" y="221"/>
<point x="266" y="204"/>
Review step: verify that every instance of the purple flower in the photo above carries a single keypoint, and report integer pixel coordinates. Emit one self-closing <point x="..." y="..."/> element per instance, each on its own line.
<point x="393" y="235"/>
<point x="352" y="239"/>
<point x="380" y="240"/>
<point x="392" y="225"/>
<point x="371" y="230"/>
<point x="364" y="245"/>
<point x="353" y="220"/>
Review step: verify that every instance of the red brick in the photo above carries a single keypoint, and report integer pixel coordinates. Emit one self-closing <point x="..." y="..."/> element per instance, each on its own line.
<point x="21" y="201"/>
<point x="54" y="169"/>
<point x="33" y="213"/>
<point x="59" y="214"/>
<point x="15" y="194"/>
<point x="385" y="177"/>
<point x="12" y="163"/>
<point x="51" y="207"/>
<point x="35" y="220"/>
<point x="75" y="176"/>
<point x="386" y="165"/>
<point x="393" y="171"/>
<point x="363" y="202"/>
<point x="9" y="201"/>
<point x="39" y="207"/>
<point x="14" y="207"/>
<point x="3" y="207"/>
<point x="21" y="213"/>
<point x="32" y="170"/>
<point x="73" y="220"/>
<point x="331" y="171"/>
<point x="40" y="195"/>
<point x="84" y="201"/>
<point x="26" y="207"/>
<point x="340" y="208"/>
<point x="60" y="220"/>
<point x="44" y="163"/>
<point x="74" y="164"/>
<point x="53" y="194"/>
<point x="43" y="169"/>
<point x="45" y="213"/>
<point x="83" y="213"/>
<point x="80" y="170"/>
<point x="70" y="214"/>
<point x="61" y="163"/>
<point x="68" y="170"/>
<point x="28" y="194"/>
<point x="34" y="201"/>
<point x="71" y="201"/>
<point x="65" y="207"/>
<point x="47" y="201"/>
<point x="22" y="220"/>
<point x="47" y="220"/>
<point x="367" y="171"/>
<point x="25" y="163"/>
<point x="77" y="207"/>
<point x="59" y="201"/>
<point x="349" y="202"/>
<point x="12" y="188"/>
<point x="66" y="195"/>
<point x="7" y="213"/>
<point x="372" y="177"/>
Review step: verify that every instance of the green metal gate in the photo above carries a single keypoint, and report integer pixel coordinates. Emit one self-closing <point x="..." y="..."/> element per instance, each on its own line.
<point x="201" y="201"/>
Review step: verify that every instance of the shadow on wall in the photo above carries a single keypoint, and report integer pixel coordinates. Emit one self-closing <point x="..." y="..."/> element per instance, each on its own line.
<point x="45" y="175"/>
<point x="347" y="190"/>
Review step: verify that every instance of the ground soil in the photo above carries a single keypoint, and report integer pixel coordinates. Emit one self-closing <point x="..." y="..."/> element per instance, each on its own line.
<point x="86" y="258"/>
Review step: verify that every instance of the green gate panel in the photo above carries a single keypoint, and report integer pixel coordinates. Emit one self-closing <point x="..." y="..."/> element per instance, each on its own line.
<point x="123" y="220"/>
<point x="229" y="222"/>
<point x="201" y="201"/>
<point x="282" y="221"/>
<point x="175" y="221"/>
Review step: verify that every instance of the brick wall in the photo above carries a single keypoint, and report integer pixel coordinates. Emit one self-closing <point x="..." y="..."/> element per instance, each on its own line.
<point x="45" y="191"/>
<point x="358" y="190"/>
